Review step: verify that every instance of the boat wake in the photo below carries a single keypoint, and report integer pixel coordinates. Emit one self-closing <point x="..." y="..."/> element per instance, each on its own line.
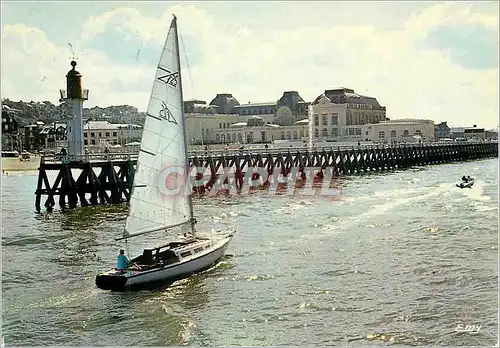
<point x="393" y="199"/>
<point x="68" y="300"/>
<point x="476" y="192"/>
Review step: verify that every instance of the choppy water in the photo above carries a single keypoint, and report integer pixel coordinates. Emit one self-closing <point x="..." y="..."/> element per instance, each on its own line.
<point x="402" y="257"/>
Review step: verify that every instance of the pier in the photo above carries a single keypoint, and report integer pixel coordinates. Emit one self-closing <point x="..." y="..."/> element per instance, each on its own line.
<point x="107" y="178"/>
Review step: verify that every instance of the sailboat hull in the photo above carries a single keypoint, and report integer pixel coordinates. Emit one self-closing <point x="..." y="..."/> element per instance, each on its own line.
<point x="131" y="280"/>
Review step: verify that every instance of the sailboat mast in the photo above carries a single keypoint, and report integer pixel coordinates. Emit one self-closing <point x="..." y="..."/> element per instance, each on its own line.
<point x="187" y="176"/>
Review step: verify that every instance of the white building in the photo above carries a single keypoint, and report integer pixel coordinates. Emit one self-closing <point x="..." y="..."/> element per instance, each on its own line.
<point x="400" y="131"/>
<point x="339" y="114"/>
<point x="256" y="131"/>
<point x="96" y="133"/>
<point x="243" y="129"/>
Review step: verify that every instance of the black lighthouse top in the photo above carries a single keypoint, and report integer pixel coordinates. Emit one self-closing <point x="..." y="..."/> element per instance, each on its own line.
<point x="74" y="83"/>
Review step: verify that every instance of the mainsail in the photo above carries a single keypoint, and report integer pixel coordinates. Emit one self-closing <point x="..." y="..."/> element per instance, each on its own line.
<point x="158" y="199"/>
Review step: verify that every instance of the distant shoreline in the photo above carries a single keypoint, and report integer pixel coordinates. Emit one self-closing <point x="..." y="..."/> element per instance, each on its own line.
<point x="13" y="164"/>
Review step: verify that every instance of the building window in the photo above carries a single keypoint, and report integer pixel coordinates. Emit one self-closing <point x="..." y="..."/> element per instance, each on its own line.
<point x="114" y="134"/>
<point x="301" y="134"/>
<point x="406" y="133"/>
<point x="220" y="125"/>
<point x="394" y="134"/>
<point x="324" y="132"/>
<point x="345" y="132"/>
<point x="316" y="132"/>
<point x="228" y="138"/>
<point x="335" y="132"/>
<point x="84" y="135"/>
<point x="294" y="135"/>
<point x="100" y="134"/>
<point x="107" y="134"/>
<point x="282" y="135"/>
<point x="240" y="137"/>
<point x="289" y="135"/>
<point x="93" y="141"/>
<point x="316" y="120"/>
<point x="324" y="119"/>
<point x="234" y="137"/>
<point x="418" y="132"/>
<point x="222" y="138"/>
<point x="358" y="131"/>
<point x="381" y="134"/>
<point x="335" y="119"/>
<point x="351" y="131"/>
<point x="85" y="141"/>
<point x="217" y="138"/>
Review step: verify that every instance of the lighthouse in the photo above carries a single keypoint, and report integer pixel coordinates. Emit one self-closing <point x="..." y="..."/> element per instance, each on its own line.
<point x="74" y="96"/>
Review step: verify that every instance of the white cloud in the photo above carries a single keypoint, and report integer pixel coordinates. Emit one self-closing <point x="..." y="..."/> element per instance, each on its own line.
<point x="34" y="69"/>
<point x="256" y="65"/>
<point x="459" y="14"/>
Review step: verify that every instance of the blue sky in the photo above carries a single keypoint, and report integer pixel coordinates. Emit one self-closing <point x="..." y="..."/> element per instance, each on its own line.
<point x="420" y="59"/>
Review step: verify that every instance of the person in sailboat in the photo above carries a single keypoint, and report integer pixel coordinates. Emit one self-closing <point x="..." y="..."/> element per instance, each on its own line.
<point x="464" y="179"/>
<point x="122" y="262"/>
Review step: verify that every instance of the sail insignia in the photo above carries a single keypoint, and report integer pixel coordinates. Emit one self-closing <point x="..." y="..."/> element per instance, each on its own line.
<point x="170" y="78"/>
<point x="165" y="114"/>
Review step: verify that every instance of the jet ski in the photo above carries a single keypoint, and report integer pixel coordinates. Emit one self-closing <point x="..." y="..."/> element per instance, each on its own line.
<point x="468" y="182"/>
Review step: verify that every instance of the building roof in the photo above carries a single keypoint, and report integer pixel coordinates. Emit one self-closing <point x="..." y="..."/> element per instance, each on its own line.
<point x="290" y="98"/>
<point x="408" y="120"/>
<point x="304" y="121"/>
<point x="457" y="129"/>
<point x="224" y="100"/>
<point x="103" y="125"/>
<point x="255" y="104"/>
<point x="239" y="124"/>
<point x="348" y="96"/>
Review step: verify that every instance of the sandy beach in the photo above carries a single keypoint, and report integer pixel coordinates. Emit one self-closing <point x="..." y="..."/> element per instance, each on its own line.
<point x="13" y="164"/>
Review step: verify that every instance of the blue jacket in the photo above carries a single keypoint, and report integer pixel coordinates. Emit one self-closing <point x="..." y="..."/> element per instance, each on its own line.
<point x="122" y="262"/>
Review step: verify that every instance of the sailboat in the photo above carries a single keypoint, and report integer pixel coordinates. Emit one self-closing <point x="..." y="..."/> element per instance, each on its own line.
<point x="155" y="206"/>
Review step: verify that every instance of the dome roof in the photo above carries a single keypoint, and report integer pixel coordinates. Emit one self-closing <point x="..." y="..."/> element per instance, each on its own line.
<point x="225" y="102"/>
<point x="290" y="98"/>
<point x="73" y="71"/>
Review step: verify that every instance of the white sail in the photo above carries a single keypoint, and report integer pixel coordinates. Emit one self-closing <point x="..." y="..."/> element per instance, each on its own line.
<point x="153" y="204"/>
